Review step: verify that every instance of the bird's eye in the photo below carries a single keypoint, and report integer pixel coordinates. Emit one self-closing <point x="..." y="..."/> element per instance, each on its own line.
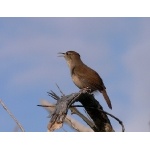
<point x="66" y="53"/>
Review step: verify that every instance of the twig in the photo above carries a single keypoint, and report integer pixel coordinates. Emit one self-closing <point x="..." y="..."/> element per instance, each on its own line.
<point x="46" y="105"/>
<point x="74" y="110"/>
<point x="12" y="116"/>
<point x="60" y="90"/>
<point x="53" y="95"/>
<point x="120" y="122"/>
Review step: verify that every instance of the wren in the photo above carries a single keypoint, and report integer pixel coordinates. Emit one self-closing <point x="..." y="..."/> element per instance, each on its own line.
<point x="83" y="76"/>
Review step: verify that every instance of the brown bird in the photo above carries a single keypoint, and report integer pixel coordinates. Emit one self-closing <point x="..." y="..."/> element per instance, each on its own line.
<point x="85" y="77"/>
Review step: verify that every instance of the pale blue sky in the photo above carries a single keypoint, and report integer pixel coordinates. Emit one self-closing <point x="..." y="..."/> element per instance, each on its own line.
<point x="117" y="48"/>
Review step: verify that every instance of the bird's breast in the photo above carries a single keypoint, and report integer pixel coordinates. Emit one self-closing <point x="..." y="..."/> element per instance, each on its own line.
<point x="77" y="81"/>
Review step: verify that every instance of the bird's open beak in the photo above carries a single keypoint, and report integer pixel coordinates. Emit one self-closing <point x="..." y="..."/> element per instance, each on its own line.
<point x="62" y="54"/>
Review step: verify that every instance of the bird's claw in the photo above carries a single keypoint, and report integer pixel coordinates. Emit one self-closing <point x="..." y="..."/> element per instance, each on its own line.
<point x="86" y="90"/>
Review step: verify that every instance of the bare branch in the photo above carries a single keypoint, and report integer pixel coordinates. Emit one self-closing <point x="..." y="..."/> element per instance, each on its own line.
<point x="53" y="95"/>
<point x="60" y="90"/>
<point x="120" y="122"/>
<point x="68" y="120"/>
<point x="100" y="121"/>
<point x="77" y="112"/>
<point x="12" y="116"/>
<point x="77" y="125"/>
<point x="61" y="110"/>
<point x="46" y="106"/>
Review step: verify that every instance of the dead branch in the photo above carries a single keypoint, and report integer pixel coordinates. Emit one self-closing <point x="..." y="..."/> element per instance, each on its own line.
<point x="100" y="119"/>
<point x="84" y="118"/>
<point x="120" y="122"/>
<point x="12" y="116"/>
<point x="56" y="97"/>
<point x="61" y="110"/>
<point x="68" y="120"/>
<point x="100" y="123"/>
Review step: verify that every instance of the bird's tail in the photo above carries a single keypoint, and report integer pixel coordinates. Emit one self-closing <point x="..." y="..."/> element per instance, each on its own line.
<point x="106" y="98"/>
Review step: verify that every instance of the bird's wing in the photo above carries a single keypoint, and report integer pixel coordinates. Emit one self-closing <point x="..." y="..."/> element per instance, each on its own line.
<point x="89" y="78"/>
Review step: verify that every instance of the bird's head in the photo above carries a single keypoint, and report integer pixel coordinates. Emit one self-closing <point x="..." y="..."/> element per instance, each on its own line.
<point x="71" y="57"/>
